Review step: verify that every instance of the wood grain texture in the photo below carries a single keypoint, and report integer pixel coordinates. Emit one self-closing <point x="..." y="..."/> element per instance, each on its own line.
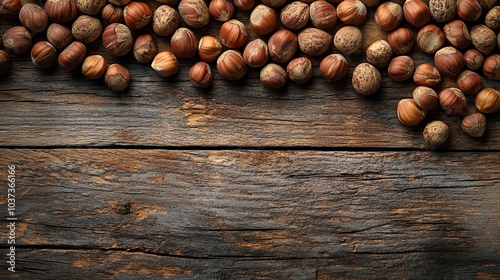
<point x="127" y="214"/>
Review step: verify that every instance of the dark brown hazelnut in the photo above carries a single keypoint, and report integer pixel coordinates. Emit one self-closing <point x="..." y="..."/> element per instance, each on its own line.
<point x="112" y="14"/>
<point x="201" y="75"/>
<point x="401" y="68"/>
<point x="72" y="56"/>
<point x="473" y="59"/>
<point x="43" y="55"/>
<point x="17" y="40"/>
<point x="184" y="43"/>
<point x="10" y="8"/>
<point x="61" y="11"/>
<point x="469" y="82"/>
<point x="449" y="61"/>
<point x="457" y="34"/>
<point x="491" y="67"/>
<point x="401" y="40"/>
<point x="416" y="13"/>
<point x="426" y="98"/>
<point x="452" y="100"/>
<point x="33" y="17"/>
<point x="59" y="35"/>
<point x="469" y="10"/>
<point x="194" y="13"/>
<point x="4" y="62"/>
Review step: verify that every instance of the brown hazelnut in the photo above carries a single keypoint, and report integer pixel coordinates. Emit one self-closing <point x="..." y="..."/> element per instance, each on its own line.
<point x="401" y="68"/>
<point x="10" y="8"/>
<point x="112" y="14"/>
<point x="165" y="64"/>
<point x="474" y="125"/>
<point x="295" y="15"/>
<point x="282" y="46"/>
<point x="487" y="4"/>
<point x="488" y="100"/>
<point x="201" y="75"/>
<point x="426" y="98"/>
<point x="388" y="16"/>
<point x="492" y="19"/>
<point x="4" y="62"/>
<point x="59" y="35"/>
<point x="33" y="17"/>
<point x="221" y="10"/>
<point x="299" y="70"/>
<point x="92" y="7"/>
<point x="121" y="2"/>
<point x="416" y="13"/>
<point x="72" y="56"/>
<point x="426" y="75"/>
<point x="144" y="48"/>
<point x="436" y="133"/>
<point x="469" y="82"/>
<point x="333" y="67"/>
<point x="322" y="14"/>
<point x="430" y="39"/>
<point x="17" y="40"/>
<point x="469" y="10"/>
<point x="401" y="40"/>
<point x="194" y="13"/>
<point x="452" y="100"/>
<point x="244" y="5"/>
<point x="256" y="53"/>
<point x="379" y="53"/>
<point x="449" y="61"/>
<point x="94" y="66"/>
<point x="209" y="48"/>
<point x="483" y="38"/>
<point x="184" y="43"/>
<point x="117" y="77"/>
<point x="137" y="15"/>
<point x="263" y="20"/>
<point x="366" y="79"/>
<point x="473" y="59"/>
<point x="231" y="65"/>
<point x="408" y="112"/>
<point x="313" y="41"/>
<point x="165" y="20"/>
<point x="352" y="12"/>
<point x="348" y="39"/>
<point x="443" y="10"/>
<point x="61" y="11"/>
<point x="457" y="34"/>
<point x="86" y="29"/>
<point x="273" y="3"/>
<point x="43" y="55"/>
<point x="273" y="76"/>
<point x="117" y="39"/>
<point x="233" y="34"/>
<point x="491" y="67"/>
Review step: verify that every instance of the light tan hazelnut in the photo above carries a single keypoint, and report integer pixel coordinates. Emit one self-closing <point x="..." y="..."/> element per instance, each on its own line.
<point x="94" y="66"/>
<point x="492" y="19"/>
<point x="282" y="46"/>
<point x="17" y="40"/>
<point x="231" y="65"/>
<point x="33" y="17"/>
<point x="313" y="41"/>
<point x="488" y="100"/>
<point x="233" y="34"/>
<point x="379" y="53"/>
<point x="263" y="20"/>
<point x="469" y="82"/>
<point x="200" y="75"/>
<point x="333" y="67"/>
<point x="408" y="112"/>
<point x="352" y="12"/>
<point x="388" y="16"/>
<point x="209" y="48"/>
<point x="449" y="61"/>
<point x="91" y="7"/>
<point x="137" y="15"/>
<point x="117" y="39"/>
<point x="86" y="29"/>
<point x="426" y="75"/>
<point x="256" y="53"/>
<point x="348" y="39"/>
<point x="491" y="67"/>
<point x="452" y="100"/>
<point x="426" y="98"/>
<point x="322" y="14"/>
<point x="487" y="4"/>
<point x="416" y="13"/>
<point x="112" y="14"/>
<point x="483" y="38"/>
<point x="443" y="10"/>
<point x="194" y="13"/>
<point x="401" y="40"/>
<point x="221" y="10"/>
<point x="401" y="68"/>
<point x="72" y="56"/>
<point x="366" y="79"/>
<point x="299" y="70"/>
<point x="184" y="43"/>
<point x="165" y="20"/>
<point x="474" y="125"/>
<point x="144" y="48"/>
<point x="117" y="77"/>
<point x="436" y="133"/>
<point x="295" y="15"/>
<point x="61" y="11"/>
<point x="473" y="59"/>
<point x="165" y="64"/>
<point x="430" y="39"/>
<point x="273" y="76"/>
<point x="59" y="35"/>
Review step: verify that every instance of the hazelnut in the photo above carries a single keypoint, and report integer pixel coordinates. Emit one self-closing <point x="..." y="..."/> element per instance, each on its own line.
<point x="117" y="39"/>
<point x="449" y="61"/>
<point x="221" y="10"/>
<point x="194" y="13"/>
<point x="256" y="53"/>
<point x="137" y="15"/>
<point x="273" y="76"/>
<point x="144" y="48"/>
<point x="426" y="75"/>
<point x="273" y="3"/>
<point x="94" y="66"/>
<point x="117" y="77"/>
<point x="379" y="53"/>
<point x="452" y="100"/>
<point x="322" y="14"/>
<point x="408" y="112"/>
<point x="333" y="67"/>
<point x="430" y="39"/>
<point x="401" y="68"/>
<point x="483" y="38"/>
<point x="282" y="46"/>
<point x="313" y="41"/>
<point x="473" y="59"/>
<point x="4" y="62"/>
<point x="443" y="10"/>
<point x="121" y="2"/>
<point x="10" y="8"/>
<point x="366" y="79"/>
<point x="299" y="70"/>
<point x="165" y="64"/>
<point x="491" y="67"/>
<point x="72" y="56"/>
<point x="33" y="17"/>
<point x="17" y="40"/>
<point x="457" y="34"/>
<point x="233" y="34"/>
<point x="201" y="75"/>
<point x="401" y="40"/>
<point x="469" y="10"/>
<point x="348" y="39"/>
<point x="92" y="7"/>
<point x="184" y="43"/>
<point x="165" y="20"/>
<point x="436" y="133"/>
<point x="263" y="20"/>
<point x="368" y="3"/>
<point x="209" y="48"/>
<point x="61" y="11"/>
<point x="352" y="12"/>
<point x="112" y="14"/>
<point x="86" y="29"/>
<point x="492" y="19"/>
<point x="244" y="5"/>
<point x="231" y="65"/>
<point x="474" y="125"/>
<point x="59" y="35"/>
<point x="295" y="15"/>
<point x="469" y="82"/>
<point x="426" y="98"/>
<point x="43" y="55"/>
<point x="488" y="100"/>
<point x="416" y="13"/>
<point x="388" y="16"/>
<point x="487" y="4"/>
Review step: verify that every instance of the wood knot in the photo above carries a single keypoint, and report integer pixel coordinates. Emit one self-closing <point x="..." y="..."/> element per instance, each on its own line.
<point x="123" y="208"/>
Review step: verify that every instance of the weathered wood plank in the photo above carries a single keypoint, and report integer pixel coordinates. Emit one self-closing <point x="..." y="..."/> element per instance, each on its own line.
<point x="331" y="214"/>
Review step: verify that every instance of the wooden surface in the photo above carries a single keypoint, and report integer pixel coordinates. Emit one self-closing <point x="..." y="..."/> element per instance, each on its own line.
<point x="240" y="182"/>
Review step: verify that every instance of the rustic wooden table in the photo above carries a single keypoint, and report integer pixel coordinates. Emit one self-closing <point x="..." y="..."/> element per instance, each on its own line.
<point x="239" y="182"/>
